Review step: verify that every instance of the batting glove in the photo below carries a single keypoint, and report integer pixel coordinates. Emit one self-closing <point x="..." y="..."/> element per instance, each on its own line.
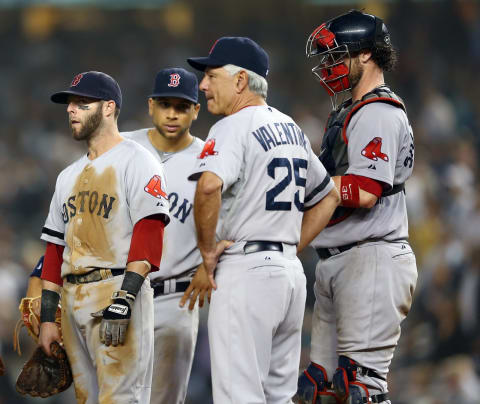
<point x="115" y="318"/>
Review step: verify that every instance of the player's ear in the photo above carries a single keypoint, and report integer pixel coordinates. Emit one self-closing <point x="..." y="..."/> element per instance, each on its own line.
<point x="151" y="101"/>
<point x="365" y="56"/>
<point x="196" y="110"/>
<point x="109" y="107"/>
<point x="241" y="80"/>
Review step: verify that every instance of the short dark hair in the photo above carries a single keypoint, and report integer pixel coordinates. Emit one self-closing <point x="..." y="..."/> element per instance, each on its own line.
<point x="117" y="112"/>
<point x="384" y="56"/>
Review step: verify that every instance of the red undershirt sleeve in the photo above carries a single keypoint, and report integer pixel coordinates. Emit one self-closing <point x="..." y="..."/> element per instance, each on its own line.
<point x="147" y="241"/>
<point x="52" y="264"/>
<point x="370" y="185"/>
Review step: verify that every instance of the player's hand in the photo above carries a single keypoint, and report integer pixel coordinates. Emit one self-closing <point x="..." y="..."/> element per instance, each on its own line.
<point x="210" y="260"/>
<point x="49" y="332"/>
<point x="200" y="285"/>
<point x="115" y="320"/>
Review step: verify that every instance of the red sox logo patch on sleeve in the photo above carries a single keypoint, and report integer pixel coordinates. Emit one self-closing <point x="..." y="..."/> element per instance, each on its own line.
<point x="174" y="80"/>
<point x="208" y="149"/>
<point x="154" y="187"/>
<point x="76" y="80"/>
<point x="373" y="150"/>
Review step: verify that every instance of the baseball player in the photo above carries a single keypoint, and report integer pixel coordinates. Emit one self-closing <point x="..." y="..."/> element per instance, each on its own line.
<point x="258" y="173"/>
<point x="173" y="106"/>
<point x="103" y="234"/>
<point x="367" y="273"/>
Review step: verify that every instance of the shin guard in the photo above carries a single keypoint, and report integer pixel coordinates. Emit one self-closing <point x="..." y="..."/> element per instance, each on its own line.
<point x="312" y="387"/>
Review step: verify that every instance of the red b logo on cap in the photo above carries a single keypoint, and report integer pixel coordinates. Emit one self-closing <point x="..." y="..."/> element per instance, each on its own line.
<point x="174" y="80"/>
<point x="76" y="80"/>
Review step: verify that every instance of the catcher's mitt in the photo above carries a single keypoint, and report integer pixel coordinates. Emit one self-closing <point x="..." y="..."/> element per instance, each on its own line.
<point x="2" y="367"/>
<point x="30" y="319"/>
<point x="44" y="376"/>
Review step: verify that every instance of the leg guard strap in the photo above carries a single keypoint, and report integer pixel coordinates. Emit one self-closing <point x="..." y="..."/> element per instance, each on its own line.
<point x="347" y="387"/>
<point x="313" y="387"/>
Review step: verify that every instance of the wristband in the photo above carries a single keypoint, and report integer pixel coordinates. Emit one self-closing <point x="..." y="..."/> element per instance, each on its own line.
<point x="49" y="306"/>
<point x="349" y="191"/>
<point x="132" y="282"/>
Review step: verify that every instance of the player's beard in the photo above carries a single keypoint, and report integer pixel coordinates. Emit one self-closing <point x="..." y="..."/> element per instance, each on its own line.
<point x="356" y="73"/>
<point x="90" y="125"/>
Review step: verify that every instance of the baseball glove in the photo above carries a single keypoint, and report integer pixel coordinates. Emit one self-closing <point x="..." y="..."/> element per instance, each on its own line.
<point x="30" y="319"/>
<point x="43" y="376"/>
<point x="2" y="367"/>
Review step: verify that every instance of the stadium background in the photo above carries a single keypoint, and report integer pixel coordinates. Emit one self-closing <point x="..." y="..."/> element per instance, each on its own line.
<point x="44" y="44"/>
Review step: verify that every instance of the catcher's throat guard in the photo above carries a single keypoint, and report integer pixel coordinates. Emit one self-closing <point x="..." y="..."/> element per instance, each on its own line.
<point x="331" y="71"/>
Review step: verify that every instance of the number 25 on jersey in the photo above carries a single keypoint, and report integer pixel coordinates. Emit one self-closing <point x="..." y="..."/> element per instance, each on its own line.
<point x="284" y="166"/>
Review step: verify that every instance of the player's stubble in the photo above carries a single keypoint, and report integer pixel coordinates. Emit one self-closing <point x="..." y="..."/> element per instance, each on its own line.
<point x="356" y="72"/>
<point x="91" y="124"/>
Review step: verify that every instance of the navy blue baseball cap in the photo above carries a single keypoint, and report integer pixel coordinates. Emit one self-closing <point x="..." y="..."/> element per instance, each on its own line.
<point x="176" y="82"/>
<point x="95" y="85"/>
<point x="238" y="51"/>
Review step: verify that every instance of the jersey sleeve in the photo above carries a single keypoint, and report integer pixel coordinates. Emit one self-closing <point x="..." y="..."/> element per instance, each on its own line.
<point x="373" y="137"/>
<point x="145" y="187"/>
<point x="222" y="155"/>
<point x="318" y="182"/>
<point x="54" y="229"/>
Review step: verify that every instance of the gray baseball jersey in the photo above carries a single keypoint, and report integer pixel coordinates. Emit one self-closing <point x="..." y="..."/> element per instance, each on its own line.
<point x="384" y="152"/>
<point x="269" y="175"/>
<point x="94" y="209"/>
<point x="263" y="198"/>
<point x="97" y="203"/>
<point x="180" y="254"/>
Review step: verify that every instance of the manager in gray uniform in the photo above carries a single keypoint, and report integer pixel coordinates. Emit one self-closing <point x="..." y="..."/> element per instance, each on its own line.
<point x="258" y="174"/>
<point x="367" y="272"/>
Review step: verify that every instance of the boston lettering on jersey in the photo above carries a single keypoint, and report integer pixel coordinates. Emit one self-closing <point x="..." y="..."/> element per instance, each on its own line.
<point x="184" y="208"/>
<point x="86" y="200"/>
<point x="279" y="133"/>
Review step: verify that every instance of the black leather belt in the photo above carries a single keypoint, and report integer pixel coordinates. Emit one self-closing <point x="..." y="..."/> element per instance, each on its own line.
<point x="159" y="287"/>
<point x="95" y="275"/>
<point x="256" y="246"/>
<point x="325" y="253"/>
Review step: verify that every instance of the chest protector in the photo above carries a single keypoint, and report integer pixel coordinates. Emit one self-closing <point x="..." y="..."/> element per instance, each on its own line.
<point x="334" y="154"/>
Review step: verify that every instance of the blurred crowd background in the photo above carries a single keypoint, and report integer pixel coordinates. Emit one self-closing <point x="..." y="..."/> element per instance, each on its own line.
<point x="44" y="46"/>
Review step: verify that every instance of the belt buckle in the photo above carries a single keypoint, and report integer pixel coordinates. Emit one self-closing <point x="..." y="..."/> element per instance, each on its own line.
<point x="334" y="251"/>
<point x="169" y="286"/>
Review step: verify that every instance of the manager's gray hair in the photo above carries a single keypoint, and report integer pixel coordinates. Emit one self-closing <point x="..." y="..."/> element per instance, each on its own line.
<point x="256" y="83"/>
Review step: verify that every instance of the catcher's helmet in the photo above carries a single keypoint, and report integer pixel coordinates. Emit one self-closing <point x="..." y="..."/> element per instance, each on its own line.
<point x="336" y="39"/>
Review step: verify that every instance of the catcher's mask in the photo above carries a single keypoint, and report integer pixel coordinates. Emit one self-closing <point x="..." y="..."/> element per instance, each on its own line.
<point x="331" y="70"/>
<point x="336" y="40"/>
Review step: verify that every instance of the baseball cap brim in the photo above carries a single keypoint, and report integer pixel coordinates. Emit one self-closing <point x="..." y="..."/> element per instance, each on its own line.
<point x="62" y="96"/>
<point x="173" y="95"/>
<point x="201" y="63"/>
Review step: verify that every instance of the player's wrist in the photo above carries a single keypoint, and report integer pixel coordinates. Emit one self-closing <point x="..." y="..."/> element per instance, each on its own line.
<point x="49" y="306"/>
<point x="132" y="282"/>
